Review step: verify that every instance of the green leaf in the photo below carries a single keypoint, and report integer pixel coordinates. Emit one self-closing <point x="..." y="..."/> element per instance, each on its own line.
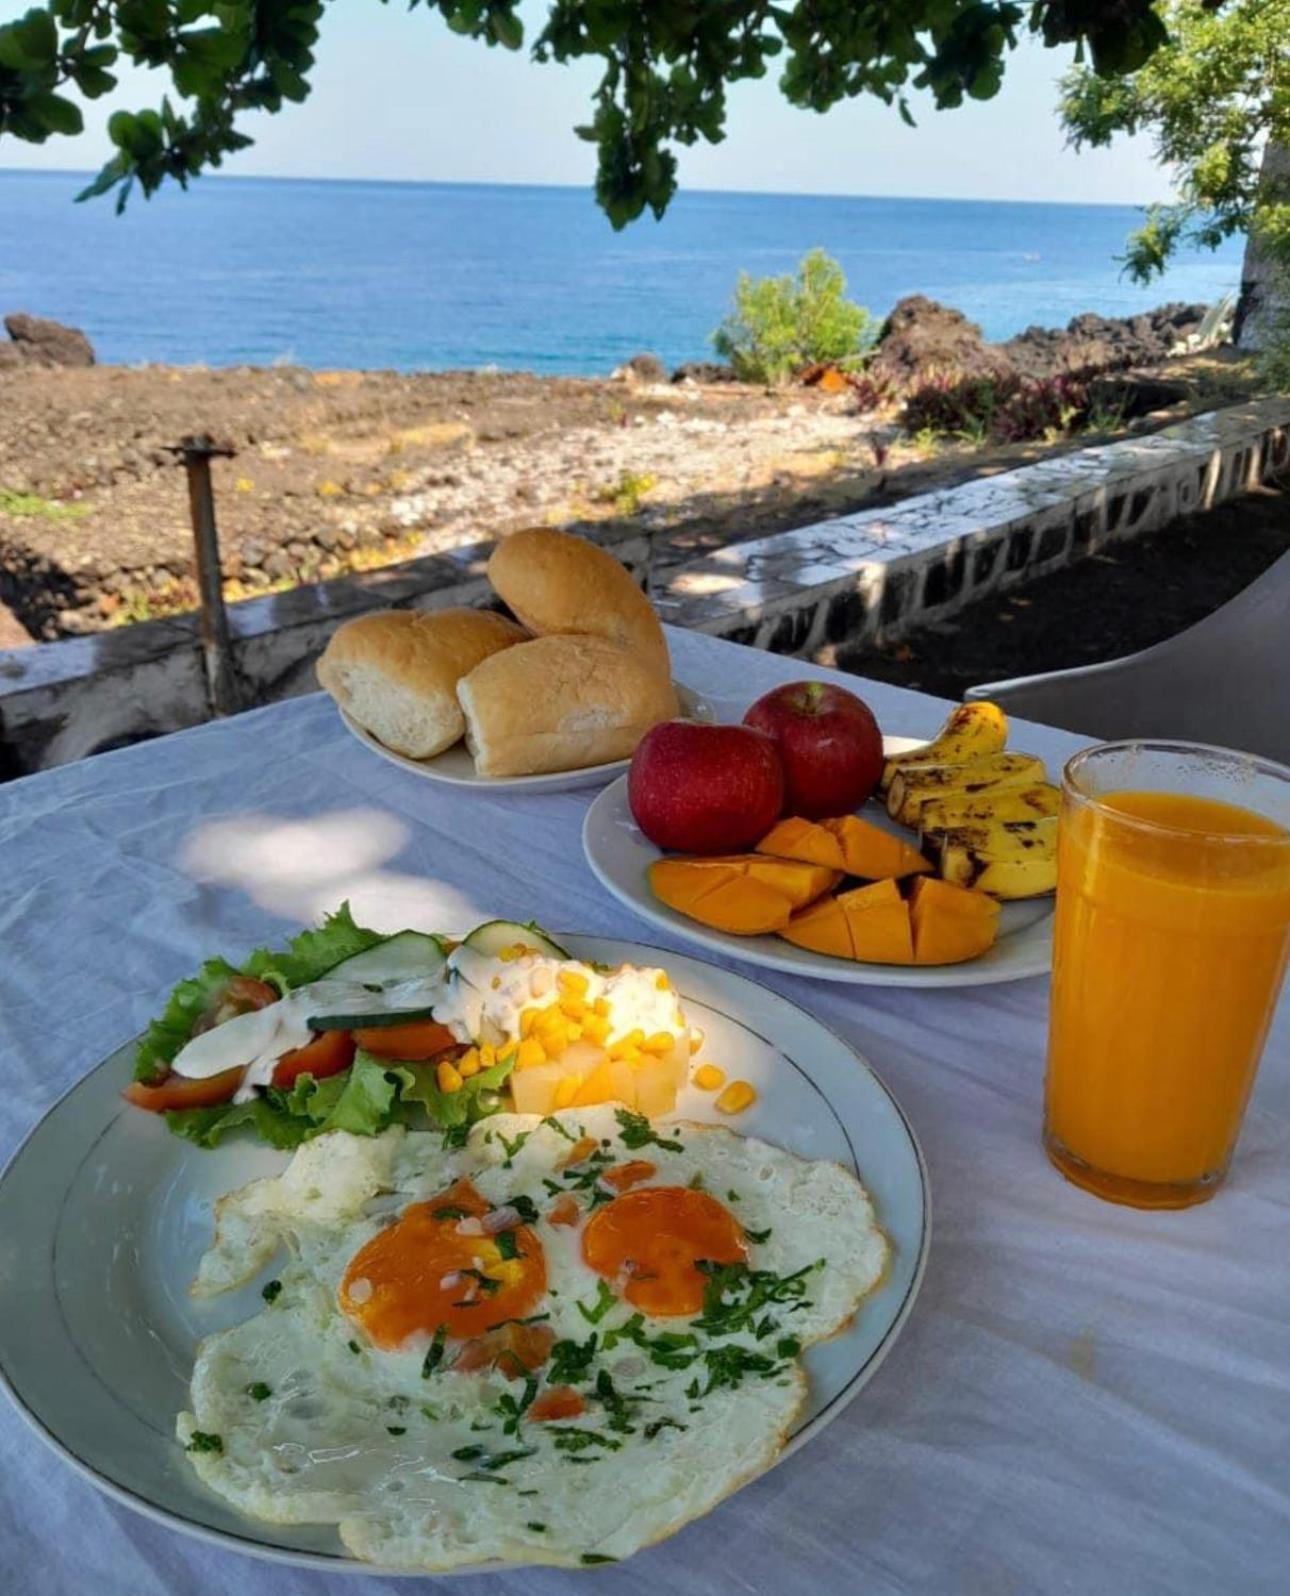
<point x="166" y="1035"/>
<point x="55" y="113"/>
<point x="208" y="1126"/>
<point x="362" y="1104"/>
<point x="29" y="43"/>
<point x="464" y="1107"/>
<point x="310" y="955"/>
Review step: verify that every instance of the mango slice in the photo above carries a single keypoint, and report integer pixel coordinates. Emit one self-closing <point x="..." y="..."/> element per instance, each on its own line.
<point x="950" y="924"/>
<point x="845" y="843"/>
<point x="742" y="894"/>
<point x="870" y="924"/>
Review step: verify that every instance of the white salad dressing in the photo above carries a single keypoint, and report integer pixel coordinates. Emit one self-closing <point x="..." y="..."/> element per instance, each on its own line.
<point x="478" y="996"/>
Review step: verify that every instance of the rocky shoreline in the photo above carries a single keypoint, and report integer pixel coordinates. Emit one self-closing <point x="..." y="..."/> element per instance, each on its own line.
<point x="345" y="470"/>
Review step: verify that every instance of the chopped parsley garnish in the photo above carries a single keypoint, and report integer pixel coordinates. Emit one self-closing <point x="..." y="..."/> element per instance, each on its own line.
<point x="456" y="1136"/>
<point x="397" y="1429"/>
<point x="526" y="1208"/>
<point x="467" y="1454"/>
<point x="696" y="1180"/>
<point x="434" y="1353"/>
<point x="583" y="1176"/>
<point x="595" y="1557"/>
<point x="655" y="1426"/>
<point x="499" y="1460"/>
<point x="272" y="1291"/>
<point x="735" y="1295"/>
<point x="788" y="1347"/>
<point x="201" y="1441"/>
<point x="430" y="1413"/>
<point x="354" y="1347"/>
<point x="512" y="1410"/>
<point x="670" y="1350"/>
<point x="617" y="1406"/>
<point x="259" y="1392"/>
<point x="560" y="1130"/>
<point x="486" y="1284"/>
<point x="569" y="1439"/>
<point x="571" y="1360"/>
<point x="758" y="1236"/>
<point x="477" y="1478"/>
<point x="634" y="1131"/>
<point x="554" y="1188"/>
<point x="600" y="1194"/>
<point x="538" y="1529"/>
<point x="729" y="1365"/>
<point x="507" y="1246"/>
<point x="449" y="1211"/>
<point x="605" y="1300"/>
<point x="512" y="1145"/>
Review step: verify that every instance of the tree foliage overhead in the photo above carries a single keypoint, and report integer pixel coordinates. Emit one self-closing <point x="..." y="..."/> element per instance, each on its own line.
<point x="667" y="65"/>
<point x="1214" y="97"/>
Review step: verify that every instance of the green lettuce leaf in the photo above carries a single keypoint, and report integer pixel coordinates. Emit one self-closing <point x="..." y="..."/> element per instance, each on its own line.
<point x="463" y="1107"/>
<point x="309" y="956"/>
<point x="208" y="1126"/>
<point x="166" y="1035"/>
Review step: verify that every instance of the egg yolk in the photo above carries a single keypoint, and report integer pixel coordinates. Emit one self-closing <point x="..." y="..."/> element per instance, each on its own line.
<point x="648" y="1244"/>
<point x="423" y="1272"/>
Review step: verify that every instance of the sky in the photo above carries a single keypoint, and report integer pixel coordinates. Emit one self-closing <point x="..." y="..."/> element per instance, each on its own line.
<point x="397" y="95"/>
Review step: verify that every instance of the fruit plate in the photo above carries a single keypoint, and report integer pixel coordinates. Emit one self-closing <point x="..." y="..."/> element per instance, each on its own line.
<point x="104" y="1214"/>
<point x="620" y="854"/>
<point x="456" y="767"/>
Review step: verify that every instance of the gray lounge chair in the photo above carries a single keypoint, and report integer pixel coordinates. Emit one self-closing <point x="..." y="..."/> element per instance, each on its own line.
<point x="1225" y="681"/>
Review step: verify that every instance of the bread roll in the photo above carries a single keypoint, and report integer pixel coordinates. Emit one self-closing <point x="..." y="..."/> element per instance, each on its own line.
<point x="396" y="671"/>
<point x="557" y="584"/>
<point x="559" y="703"/>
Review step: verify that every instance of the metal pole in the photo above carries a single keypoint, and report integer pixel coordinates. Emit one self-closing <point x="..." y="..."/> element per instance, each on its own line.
<point x="222" y="689"/>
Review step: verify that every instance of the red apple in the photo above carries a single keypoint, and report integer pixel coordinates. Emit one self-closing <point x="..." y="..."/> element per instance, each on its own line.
<point x="829" y="745"/>
<point x="705" y="789"/>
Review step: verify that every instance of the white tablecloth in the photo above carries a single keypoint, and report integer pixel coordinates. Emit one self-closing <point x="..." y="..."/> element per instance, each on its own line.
<point x="1086" y="1399"/>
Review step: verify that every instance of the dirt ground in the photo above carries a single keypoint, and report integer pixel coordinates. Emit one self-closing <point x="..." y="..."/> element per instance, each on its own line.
<point x="1115" y="603"/>
<point x="339" y="470"/>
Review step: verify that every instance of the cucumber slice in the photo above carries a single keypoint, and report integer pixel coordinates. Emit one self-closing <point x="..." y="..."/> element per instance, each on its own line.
<point x="494" y="935"/>
<point x="406" y="956"/>
<point x="354" y="1022"/>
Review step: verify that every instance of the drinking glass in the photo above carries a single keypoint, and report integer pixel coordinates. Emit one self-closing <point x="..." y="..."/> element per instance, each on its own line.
<point x="1171" y="938"/>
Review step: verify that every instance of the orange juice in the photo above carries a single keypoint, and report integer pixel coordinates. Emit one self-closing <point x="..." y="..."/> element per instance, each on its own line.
<point x="1170" y="948"/>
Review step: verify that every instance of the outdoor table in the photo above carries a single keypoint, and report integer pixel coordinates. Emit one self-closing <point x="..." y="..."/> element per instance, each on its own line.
<point x="1087" y="1398"/>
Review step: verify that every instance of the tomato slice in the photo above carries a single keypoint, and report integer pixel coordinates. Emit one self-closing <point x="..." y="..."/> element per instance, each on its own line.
<point x="328" y="1054"/>
<point x="417" y="1039"/>
<point x="177" y="1091"/>
<point x="241" y="994"/>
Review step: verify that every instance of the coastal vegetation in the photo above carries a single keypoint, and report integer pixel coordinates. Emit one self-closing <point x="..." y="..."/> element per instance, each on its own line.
<point x="665" y="69"/>
<point x="781" y="324"/>
<point x="1215" y="97"/>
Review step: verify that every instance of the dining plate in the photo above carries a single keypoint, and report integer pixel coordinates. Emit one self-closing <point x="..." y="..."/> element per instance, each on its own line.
<point x="456" y="766"/>
<point x="620" y="854"/>
<point x="104" y="1215"/>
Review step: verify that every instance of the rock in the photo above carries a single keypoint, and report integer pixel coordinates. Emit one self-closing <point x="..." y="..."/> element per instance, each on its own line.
<point x="13" y="634"/>
<point x="1092" y="343"/>
<point x="1131" y="394"/>
<point x="641" y="368"/>
<point x="921" y="338"/>
<point x="703" y="371"/>
<point x="277" y="565"/>
<point x="49" y="343"/>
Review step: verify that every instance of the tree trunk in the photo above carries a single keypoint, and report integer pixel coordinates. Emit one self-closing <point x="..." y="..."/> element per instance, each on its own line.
<point x="1265" y="282"/>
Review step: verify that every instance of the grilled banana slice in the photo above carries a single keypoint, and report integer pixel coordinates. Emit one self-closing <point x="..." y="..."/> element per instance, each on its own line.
<point x="1012" y="803"/>
<point x="914" y="785"/>
<point x="971" y="731"/>
<point x="1008" y="859"/>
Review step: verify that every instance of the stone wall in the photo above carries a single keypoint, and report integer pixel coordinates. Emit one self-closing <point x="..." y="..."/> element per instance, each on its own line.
<point x="877" y="574"/>
<point x="61" y="701"/>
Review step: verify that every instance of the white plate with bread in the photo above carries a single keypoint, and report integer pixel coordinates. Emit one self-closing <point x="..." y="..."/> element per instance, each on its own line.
<point x="559" y="697"/>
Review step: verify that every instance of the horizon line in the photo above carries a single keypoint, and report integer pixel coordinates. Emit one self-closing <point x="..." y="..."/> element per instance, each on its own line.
<point x="586" y="188"/>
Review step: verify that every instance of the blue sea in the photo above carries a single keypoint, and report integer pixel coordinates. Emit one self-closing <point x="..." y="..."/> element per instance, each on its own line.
<point x="438" y="275"/>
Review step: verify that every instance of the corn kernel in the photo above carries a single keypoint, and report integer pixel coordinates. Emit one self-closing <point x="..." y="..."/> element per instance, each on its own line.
<point x="573" y="1008"/>
<point x="574" y="1032"/>
<point x="566" y="1091"/>
<point x="738" y="1096"/>
<point x="708" y="1077"/>
<point x="662" y="983"/>
<point x="468" y="1063"/>
<point x="497" y="983"/>
<point x="572" y="984"/>
<point x="528" y="1019"/>
<point x="531" y="1052"/>
<point x="696" y="1042"/>
<point x="513" y="952"/>
<point x="447" y="1076"/>
<point x="601" y="1007"/>
<point x="660" y="1043"/>
<point x="625" y="1053"/>
<point x="487" y="1056"/>
<point x="595" y="1028"/>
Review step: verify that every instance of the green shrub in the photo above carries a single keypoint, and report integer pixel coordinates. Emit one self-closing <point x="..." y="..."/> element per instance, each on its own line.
<point x="780" y="324"/>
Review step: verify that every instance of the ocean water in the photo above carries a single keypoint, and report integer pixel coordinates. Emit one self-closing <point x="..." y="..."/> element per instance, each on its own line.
<point x="434" y="275"/>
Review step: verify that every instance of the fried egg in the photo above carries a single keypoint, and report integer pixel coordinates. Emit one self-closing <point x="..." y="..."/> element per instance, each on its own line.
<point x="556" y="1343"/>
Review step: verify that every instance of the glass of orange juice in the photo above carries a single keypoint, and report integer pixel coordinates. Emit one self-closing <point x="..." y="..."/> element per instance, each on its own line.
<point x="1172" y="932"/>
